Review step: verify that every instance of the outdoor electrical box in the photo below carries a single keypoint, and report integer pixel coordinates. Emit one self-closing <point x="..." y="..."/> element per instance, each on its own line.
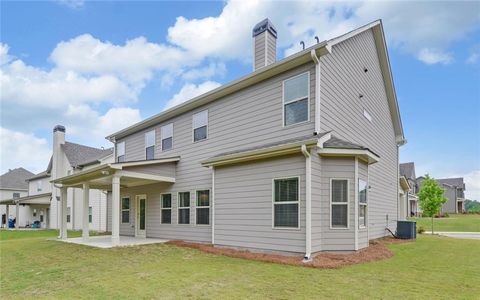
<point x="406" y="230"/>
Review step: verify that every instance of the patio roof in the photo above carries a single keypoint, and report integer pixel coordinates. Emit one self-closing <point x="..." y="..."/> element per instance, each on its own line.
<point x="100" y="177"/>
<point x="33" y="199"/>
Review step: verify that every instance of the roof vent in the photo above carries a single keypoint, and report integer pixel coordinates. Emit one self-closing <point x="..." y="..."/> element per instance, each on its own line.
<point x="264" y="44"/>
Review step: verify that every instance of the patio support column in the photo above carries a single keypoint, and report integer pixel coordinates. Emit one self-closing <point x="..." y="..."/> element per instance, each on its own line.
<point x="86" y="194"/>
<point x="63" y="213"/>
<point x="8" y="215"/>
<point x="115" y="210"/>
<point x="17" y="215"/>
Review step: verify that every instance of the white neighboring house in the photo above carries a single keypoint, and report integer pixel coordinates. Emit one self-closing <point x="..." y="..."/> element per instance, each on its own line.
<point x="13" y="185"/>
<point x="41" y="197"/>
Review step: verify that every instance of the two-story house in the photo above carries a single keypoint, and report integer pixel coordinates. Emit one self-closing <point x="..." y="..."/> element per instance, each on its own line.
<point x="301" y="155"/>
<point x="13" y="185"/>
<point x="411" y="207"/>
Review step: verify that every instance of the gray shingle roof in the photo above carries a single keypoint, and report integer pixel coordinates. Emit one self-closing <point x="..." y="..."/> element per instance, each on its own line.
<point x="335" y="142"/>
<point x="15" y="179"/>
<point x="40" y="175"/>
<point x="79" y="154"/>
<point x="408" y="170"/>
<point x="457" y="182"/>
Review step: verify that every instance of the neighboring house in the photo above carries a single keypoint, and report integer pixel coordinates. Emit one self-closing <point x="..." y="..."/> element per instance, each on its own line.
<point x="454" y="192"/>
<point x="299" y="156"/>
<point x="404" y="189"/>
<point x="13" y="185"/>
<point x="412" y="207"/>
<point x="41" y="199"/>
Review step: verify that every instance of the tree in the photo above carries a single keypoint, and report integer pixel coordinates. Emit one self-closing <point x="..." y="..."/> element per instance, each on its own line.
<point x="431" y="197"/>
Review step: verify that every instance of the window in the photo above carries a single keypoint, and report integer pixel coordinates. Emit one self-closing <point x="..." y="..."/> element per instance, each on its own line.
<point x="16" y="195"/>
<point x="90" y="214"/>
<point x="166" y="208"/>
<point x="167" y="137"/>
<point x="39" y="186"/>
<point x="34" y="212"/>
<point x="295" y="99"/>
<point x="286" y="203"/>
<point x="203" y="207"/>
<point x="367" y="115"/>
<point x="41" y="217"/>
<point x="339" y="203"/>
<point x="121" y="152"/>
<point x="68" y="214"/>
<point x="200" y="124"/>
<point x="362" y="202"/>
<point x="150" y="145"/>
<point x="184" y="208"/>
<point x="125" y="210"/>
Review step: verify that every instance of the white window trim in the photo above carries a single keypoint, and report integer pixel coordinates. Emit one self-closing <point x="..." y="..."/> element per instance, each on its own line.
<point x="129" y="208"/>
<point x="340" y="203"/>
<point x="296" y="99"/>
<point x="209" y="207"/>
<point x="285" y="202"/>
<point x="154" y="143"/>
<point x="193" y="126"/>
<point x="124" y="151"/>
<point x="360" y="226"/>
<point x="163" y="138"/>
<point x="166" y="208"/>
<point x="184" y="207"/>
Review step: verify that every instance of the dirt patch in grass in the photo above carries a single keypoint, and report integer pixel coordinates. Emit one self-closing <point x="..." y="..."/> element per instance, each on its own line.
<point x="377" y="250"/>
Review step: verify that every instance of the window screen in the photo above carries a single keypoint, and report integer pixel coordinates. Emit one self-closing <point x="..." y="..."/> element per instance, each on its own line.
<point x="339" y="216"/>
<point x="286" y="202"/>
<point x="295" y="99"/>
<point x="200" y="124"/>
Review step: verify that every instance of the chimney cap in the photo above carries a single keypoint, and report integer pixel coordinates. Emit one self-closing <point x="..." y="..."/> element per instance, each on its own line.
<point x="264" y="26"/>
<point x="59" y="128"/>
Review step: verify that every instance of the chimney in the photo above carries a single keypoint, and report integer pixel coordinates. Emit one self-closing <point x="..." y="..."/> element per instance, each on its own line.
<point x="264" y="44"/>
<point x="57" y="158"/>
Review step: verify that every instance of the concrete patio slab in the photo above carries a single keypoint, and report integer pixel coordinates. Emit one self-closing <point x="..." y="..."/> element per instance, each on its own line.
<point x="105" y="241"/>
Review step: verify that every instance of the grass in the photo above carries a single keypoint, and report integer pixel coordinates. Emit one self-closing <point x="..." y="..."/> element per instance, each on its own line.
<point x="455" y="222"/>
<point x="31" y="266"/>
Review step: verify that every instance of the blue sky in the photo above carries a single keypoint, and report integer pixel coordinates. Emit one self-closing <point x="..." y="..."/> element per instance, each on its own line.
<point x="96" y="67"/>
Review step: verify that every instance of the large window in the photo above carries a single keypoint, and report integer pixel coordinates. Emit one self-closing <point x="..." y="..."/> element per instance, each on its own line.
<point x="39" y="186"/>
<point x="125" y="210"/>
<point x="339" y="203"/>
<point x="166" y="208"/>
<point x="69" y="213"/>
<point x="121" y="152"/>
<point x="167" y="137"/>
<point x="286" y="203"/>
<point x="362" y="202"/>
<point x="296" y="100"/>
<point x="90" y="215"/>
<point x="150" y="145"/>
<point x="184" y="208"/>
<point x="200" y="124"/>
<point x="203" y="207"/>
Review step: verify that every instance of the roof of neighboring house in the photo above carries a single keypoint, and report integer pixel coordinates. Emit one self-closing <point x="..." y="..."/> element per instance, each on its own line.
<point x="456" y="182"/>
<point x="408" y="170"/>
<point x="79" y="154"/>
<point x="15" y="179"/>
<point x="39" y="175"/>
<point x="279" y="67"/>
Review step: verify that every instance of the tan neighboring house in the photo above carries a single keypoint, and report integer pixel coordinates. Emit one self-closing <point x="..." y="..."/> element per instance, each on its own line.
<point x="13" y="185"/>
<point x="301" y="155"/>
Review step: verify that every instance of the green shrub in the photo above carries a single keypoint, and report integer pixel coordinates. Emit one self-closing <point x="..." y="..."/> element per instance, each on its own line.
<point x="420" y="230"/>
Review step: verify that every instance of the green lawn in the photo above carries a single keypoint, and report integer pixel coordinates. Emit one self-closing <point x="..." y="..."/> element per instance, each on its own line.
<point x="461" y="223"/>
<point x="31" y="266"/>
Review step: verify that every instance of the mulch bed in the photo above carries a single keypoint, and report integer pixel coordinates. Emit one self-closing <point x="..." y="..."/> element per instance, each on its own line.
<point x="377" y="250"/>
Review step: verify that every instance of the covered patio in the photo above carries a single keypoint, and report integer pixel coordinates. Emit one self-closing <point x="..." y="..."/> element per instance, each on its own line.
<point x="112" y="177"/>
<point x="40" y="201"/>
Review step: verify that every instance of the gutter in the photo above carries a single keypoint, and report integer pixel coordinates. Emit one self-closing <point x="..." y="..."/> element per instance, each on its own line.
<point x="308" y="204"/>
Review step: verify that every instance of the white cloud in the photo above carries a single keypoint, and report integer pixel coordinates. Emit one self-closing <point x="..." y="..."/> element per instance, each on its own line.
<point x="472" y="185"/>
<point x="474" y="56"/>
<point x="23" y="150"/>
<point x="434" y="56"/>
<point x="213" y="69"/>
<point x="189" y="91"/>
<point x="4" y="56"/>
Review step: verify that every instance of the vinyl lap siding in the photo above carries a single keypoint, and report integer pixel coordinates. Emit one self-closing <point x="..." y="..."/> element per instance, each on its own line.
<point x="243" y="205"/>
<point x="363" y="232"/>
<point x="249" y="118"/>
<point x="316" y="201"/>
<point x="343" y="79"/>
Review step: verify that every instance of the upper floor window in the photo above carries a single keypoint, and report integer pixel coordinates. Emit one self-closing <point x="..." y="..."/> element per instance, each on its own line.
<point x="296" y="99"/>
<point x="167" y="137"/>
<point x="200" y="124"/>
<point x="39" y="186"/>
<point x="16" y="195"/>
<point x="121" y="152"/>
<point x="150" y="144"/>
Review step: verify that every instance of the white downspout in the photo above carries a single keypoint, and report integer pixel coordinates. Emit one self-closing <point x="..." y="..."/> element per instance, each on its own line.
<point x="308" y="204"/>
<point x="213" y="205"/>
<point x="316" y="60"/>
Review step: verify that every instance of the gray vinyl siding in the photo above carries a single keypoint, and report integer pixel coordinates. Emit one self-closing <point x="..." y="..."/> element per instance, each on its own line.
<point x="316" y="202"/>
<point x="251" y="117"/>
<point x="244" y="200"/>
<point x="337" y="168"/>
<point x="164" y="169"/>
<point x="363" y="232"/>
<point x="450" y="205"/>
<point x="342" y="80"/>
